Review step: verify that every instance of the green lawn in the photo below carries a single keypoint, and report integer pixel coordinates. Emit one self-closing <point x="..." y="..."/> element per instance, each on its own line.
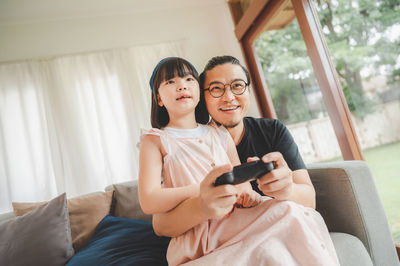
<point x="384" y="162"/>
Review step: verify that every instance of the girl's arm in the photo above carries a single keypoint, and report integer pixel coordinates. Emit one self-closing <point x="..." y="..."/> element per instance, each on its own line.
<point x="211" y="203"/>
<point x="153" y="197"/>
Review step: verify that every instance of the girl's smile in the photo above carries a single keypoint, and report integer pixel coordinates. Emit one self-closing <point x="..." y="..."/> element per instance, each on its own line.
<point x="183" y="97"/>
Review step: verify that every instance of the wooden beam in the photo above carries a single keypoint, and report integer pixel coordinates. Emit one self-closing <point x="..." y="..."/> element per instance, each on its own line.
<point x="327" y="79"/>
<point x="271" y="10"/>
<point x="248" y="18"/>
<point x="263" y="97"/>
<point x="236" y="11"/>
<point x="260" y="88"/>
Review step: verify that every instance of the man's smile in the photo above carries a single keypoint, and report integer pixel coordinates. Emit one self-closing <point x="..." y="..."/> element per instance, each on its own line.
<point x="229" y="108"/>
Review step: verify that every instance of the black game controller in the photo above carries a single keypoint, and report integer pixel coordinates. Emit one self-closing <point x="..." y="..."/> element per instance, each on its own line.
<point x="245" y="172"/>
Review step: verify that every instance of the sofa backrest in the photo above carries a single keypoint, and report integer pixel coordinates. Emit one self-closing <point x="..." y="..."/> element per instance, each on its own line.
<point x="127" y="201"/>
<point x="6" y="216"/>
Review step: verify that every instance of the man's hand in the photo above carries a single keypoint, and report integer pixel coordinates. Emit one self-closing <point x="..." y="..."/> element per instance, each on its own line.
<point x="215" y="202"/>
<point x="279" y="182"/>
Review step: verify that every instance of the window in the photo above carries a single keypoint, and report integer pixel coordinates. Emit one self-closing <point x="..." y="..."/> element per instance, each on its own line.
<point x="360" y="85"/>
<point x="295" y="93"/>
<point x="364" y="41"/>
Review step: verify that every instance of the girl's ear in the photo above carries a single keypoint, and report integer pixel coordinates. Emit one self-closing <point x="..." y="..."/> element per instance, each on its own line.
<point x="159" y="101"/>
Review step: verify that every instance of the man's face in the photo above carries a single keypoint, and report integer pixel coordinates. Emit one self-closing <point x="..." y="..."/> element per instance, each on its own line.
<point x="229" y="109"/>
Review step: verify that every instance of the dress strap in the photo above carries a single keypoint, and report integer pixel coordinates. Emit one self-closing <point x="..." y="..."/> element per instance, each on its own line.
<point x="155" y="132"/>
<point x="222" y="133"/>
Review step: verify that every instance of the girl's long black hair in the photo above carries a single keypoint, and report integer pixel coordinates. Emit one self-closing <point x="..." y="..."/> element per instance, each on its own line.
<point x="165" y="71"/>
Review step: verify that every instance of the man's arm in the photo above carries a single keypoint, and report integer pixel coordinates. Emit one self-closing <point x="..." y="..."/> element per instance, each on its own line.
<point x="285" y="184"/>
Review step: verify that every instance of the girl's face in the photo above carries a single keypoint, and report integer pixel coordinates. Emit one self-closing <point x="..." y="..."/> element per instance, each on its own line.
<point x="179" y="95"/>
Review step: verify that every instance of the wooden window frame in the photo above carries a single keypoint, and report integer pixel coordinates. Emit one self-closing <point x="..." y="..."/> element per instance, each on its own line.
<point x="250" y="25"/>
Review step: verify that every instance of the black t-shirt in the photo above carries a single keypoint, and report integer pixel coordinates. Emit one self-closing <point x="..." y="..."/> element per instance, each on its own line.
<point x="262" y="136"/>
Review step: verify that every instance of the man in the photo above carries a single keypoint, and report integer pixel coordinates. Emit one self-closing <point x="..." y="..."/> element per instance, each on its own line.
<point x="254" y="138"/>
<point x="226" y="90"/>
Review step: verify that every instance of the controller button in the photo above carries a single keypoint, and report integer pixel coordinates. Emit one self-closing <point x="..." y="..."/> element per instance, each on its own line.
<point x="212" y="164"/>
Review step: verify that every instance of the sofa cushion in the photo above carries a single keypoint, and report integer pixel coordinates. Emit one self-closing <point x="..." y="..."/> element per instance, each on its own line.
<point x="350" y="250"/>
<point x="348" y="201"/>
<point x="127" y="201"/>
<point x="85" y="213"/>
<point x="121" y="241"/>
<point x="40" y="237"/>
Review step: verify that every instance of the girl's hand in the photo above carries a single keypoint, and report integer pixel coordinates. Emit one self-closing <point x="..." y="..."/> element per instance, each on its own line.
<point x="248" y="199"/>
<point x="215" y="202"/>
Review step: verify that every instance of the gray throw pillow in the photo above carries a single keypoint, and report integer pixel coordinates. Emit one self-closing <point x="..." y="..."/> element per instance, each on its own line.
<point x="40" y="237"/>
<point x="128" y="205"/>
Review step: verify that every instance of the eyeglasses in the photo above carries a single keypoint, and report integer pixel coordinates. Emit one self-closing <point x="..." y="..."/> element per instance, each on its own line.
<point x="217" y="89"/>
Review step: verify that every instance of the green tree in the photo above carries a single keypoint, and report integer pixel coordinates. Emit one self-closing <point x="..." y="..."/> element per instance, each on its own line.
<point x="286" y="67"/>
<point x="358" y="35"/>
<point x="361" y="34"/>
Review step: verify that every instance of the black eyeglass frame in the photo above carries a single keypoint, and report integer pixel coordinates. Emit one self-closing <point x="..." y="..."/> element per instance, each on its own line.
<point x="230" y="86"/>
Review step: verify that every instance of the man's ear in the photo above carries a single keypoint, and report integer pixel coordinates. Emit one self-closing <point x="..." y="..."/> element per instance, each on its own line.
<point x="159" y="101"/>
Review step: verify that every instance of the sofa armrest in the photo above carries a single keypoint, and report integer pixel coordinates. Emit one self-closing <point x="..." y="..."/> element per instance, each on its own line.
<point x="348" y="201"/>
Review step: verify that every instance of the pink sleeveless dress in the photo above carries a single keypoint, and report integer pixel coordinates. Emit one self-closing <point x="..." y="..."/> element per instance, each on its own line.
<point x="271" y="233"/>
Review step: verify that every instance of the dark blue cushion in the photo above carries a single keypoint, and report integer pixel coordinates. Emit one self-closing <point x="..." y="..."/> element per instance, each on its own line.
<point x="121" y="241"/>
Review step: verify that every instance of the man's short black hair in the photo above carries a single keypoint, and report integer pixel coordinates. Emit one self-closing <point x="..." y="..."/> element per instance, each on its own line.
<point x="220" y="60"/>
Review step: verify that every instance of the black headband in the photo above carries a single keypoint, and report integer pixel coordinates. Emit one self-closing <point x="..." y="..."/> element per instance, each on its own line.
<point x="158" y="66"/>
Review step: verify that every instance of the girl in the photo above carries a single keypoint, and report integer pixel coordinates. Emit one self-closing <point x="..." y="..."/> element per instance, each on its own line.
<point x="176" y="109"/>
<point x="179" y="152"/>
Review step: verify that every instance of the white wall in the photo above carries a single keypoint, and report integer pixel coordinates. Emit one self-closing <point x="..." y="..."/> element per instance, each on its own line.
<point x="205" y="28"/>
<point x="317" y="141"/>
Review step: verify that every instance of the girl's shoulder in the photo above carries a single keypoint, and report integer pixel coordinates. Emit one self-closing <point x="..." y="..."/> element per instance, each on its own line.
<point x="152" y="131"/>
<point x="153" y="135"/>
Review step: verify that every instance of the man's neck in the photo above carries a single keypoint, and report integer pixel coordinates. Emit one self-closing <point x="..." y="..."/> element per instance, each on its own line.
<point x="237" y="132"/>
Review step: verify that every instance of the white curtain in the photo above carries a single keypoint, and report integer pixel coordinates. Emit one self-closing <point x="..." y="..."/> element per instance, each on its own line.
<point x="71" y="123"/>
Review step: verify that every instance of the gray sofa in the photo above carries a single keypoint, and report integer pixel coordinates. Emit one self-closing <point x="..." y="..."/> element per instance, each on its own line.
<point x="347" y="199"/>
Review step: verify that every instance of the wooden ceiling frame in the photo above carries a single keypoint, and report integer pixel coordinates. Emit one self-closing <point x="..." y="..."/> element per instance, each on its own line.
<point x="251" y="24"/>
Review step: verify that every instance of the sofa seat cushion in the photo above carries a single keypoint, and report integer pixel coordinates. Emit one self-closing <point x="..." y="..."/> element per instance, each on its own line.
<point x="350" y="250"/>
<point x="122" y="241"/>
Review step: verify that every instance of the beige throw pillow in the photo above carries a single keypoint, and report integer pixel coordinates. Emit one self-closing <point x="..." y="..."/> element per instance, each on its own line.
<point x="85" y="213"/>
